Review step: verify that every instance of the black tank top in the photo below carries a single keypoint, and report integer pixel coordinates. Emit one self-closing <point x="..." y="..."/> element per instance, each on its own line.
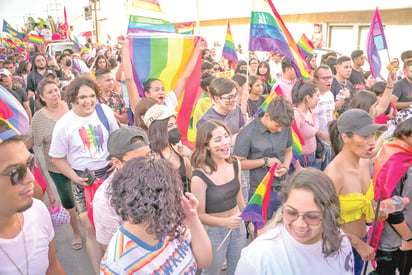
<point x="220" y="198"/>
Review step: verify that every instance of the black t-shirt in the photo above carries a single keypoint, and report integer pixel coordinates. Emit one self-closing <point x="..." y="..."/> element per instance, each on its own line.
<point x="403" y="90"/>
<point x="356" y="77"/>
<point x="336" y="87"/>
<point x="22" y="94"/>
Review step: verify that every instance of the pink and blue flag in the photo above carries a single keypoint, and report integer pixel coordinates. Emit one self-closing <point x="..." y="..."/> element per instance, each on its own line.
<point x="12" y="111"/>
<point x="375" y="43"/>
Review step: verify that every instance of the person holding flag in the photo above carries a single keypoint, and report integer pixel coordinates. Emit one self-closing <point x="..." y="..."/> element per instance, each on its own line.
<point x="216" y="184"/>
<point x="305" y="236"/>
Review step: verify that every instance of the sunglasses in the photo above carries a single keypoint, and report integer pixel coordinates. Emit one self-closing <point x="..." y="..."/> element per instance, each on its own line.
<point x="18" y="174"/>
<point x="311" y="218"/>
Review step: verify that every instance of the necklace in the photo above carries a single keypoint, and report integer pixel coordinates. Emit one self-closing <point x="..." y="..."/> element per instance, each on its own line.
<point x="25" y="250"/>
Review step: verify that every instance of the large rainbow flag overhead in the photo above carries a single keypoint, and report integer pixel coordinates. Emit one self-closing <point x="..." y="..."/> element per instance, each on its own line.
<point x="35" y="39"/>
<point x="257" y="207"/>
<point x="229" y="49"/>
<point x="165" y="56"/>
<point x="305" y="45"/>
<point x="269" y="33"/>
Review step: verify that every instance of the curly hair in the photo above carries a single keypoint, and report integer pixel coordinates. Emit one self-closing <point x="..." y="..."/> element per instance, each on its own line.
<point x="74" y="87"/>
<point x="148" y="191"/>
<point x="326" y="198"/>
<point x="201" y="156"/>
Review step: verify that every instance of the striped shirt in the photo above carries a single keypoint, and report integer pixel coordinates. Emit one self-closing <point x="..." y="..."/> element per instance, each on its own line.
<point x="127" y="254"/>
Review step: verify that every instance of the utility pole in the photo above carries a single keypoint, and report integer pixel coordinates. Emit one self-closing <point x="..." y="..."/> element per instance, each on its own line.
<point x="55" y="7"/>
<point x="95" y="8"/>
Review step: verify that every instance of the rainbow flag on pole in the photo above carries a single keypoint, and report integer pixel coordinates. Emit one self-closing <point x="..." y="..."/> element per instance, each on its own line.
<point x="269" y="33"/>
<point x="186" y="28"/>
<point x="51" y="24"/>
<point x="35" y="39"/>
<point x="305" y="45"/>
<point x="257" y="207"/>
<point x="229" y="49"/>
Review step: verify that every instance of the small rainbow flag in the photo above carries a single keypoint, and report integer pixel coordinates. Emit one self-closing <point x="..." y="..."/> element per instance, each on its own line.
<point x="305" y="45"/>
<point x="269" y="33"/>
<point x="229" y="49"/>
<point x="257" y="207"/>
<point x="186" y="28"/>
<point x="35" y="39"/>
<point x="51" y="24"/>
<point x="13" y="111"/>
<point x="76" y="42"/>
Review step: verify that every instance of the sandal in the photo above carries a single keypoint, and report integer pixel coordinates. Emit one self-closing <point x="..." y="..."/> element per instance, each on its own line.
<point x="77" y="244"/>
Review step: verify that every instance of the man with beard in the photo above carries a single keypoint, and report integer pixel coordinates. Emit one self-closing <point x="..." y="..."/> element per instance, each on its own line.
<point x="26" y="231"/>
<point x="402" y="90"/>
<point x="39" y="68"/>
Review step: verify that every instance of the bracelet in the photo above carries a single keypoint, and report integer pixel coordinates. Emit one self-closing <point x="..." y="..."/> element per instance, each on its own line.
<point x="266" y="164"/>
<point x="408" y="240"/>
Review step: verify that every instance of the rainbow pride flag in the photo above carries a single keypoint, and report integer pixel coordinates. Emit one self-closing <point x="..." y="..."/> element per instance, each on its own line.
<point x="229" y="49"/>
<point x="297" y="139"/>
<point x="269" y="33"/>
<point x="13" y="111"/>
<point x="35" y="39"/>
<point x="141" y="24"/>
<point x="76" y="42"/>
<point x="186" y="28"/>
<point x="305" y="45"/>
<point x="146" y="16"/>
<point x="257" y="207"/>
<point x="51" y="24"/>
<point x="165" y="56"/>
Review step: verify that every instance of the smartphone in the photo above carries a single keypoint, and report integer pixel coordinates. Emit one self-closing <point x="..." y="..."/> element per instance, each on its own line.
<point x="89" y="175"/>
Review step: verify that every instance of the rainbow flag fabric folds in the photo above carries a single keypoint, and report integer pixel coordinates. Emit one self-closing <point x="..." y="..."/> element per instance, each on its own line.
<point x="229" y="49"/>
<point x="186" y="28"/>
<point x="12" y="31"/>
<point x="141" y="24"/>
<point x="269" y="33"/>
<point x="51" y="24"/>
<point x="376" y="42"/>
<point x="146" y="16"/>
<point x="257" y="207"/>
<point x="165" y="56"/>
<point x="13" y="111"/>
<point x="305" y="45"/>
<point x="35" y="39"/>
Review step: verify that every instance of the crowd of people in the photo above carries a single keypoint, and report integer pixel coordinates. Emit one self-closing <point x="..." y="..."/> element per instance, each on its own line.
<point x="165" y="206"/>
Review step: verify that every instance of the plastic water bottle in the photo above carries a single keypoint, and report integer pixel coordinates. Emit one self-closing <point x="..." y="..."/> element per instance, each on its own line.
<point x="394" y="204"/>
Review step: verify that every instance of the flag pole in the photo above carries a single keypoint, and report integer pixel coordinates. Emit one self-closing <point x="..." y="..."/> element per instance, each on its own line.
<point x="223" y="241"/>
<point x="197" y="17"/>
<point x="373" y="229"/>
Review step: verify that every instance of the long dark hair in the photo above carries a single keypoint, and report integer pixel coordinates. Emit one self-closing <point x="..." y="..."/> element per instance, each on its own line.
<point x="201" y="157"/>
<point x="158" y="136"/>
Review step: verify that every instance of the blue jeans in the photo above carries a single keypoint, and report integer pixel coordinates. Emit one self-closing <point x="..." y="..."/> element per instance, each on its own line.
<point x="274" y="202"/>
<point x="307" y="160"/>
<point x="321" y="165"/>
<point x="230" y="250"/>
<point x="357" y="259"/>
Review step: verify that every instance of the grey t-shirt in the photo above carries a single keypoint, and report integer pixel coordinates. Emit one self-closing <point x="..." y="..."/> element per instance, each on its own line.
<point x="403" y="90"/>
<point x="255" y="141"/>
<point x="233" y="120"/>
